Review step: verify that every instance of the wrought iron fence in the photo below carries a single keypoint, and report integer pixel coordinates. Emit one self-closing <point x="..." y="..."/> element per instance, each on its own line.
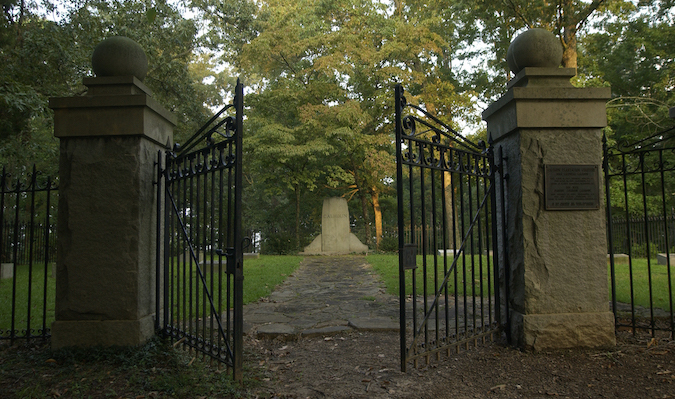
<point x="640" y="197"/>
<point x="28" y="203"/>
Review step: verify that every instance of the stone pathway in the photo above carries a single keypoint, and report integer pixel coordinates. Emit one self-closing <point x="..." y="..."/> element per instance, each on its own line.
<point x="325" y="295"/>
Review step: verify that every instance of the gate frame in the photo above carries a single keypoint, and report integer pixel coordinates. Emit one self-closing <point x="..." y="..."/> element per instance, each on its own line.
<point x="233" y="253"/>
<point x="407" y="252"/>
<point x="654" y="144"/>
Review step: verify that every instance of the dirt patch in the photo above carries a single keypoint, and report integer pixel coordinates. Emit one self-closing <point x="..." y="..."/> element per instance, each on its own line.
<point x="352" y="365"/>
<point x="367" y="365"/>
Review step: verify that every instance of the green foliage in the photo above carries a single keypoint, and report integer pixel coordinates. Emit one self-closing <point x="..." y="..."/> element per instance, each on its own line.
<point x="631" y="54"/>
<point x="389" y="244"/>
<point x="46" y="53"/>
<point x="639" y="250"/>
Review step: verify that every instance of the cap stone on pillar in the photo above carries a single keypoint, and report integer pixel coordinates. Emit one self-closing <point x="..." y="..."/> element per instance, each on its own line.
<point x="119" y="56"/>
<point x="536" y="48"/>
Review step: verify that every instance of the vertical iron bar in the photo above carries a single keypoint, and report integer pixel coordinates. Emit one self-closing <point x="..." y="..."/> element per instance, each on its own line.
<point x="629" y="243"/>
<point x="481" y="181"/>
<point x="211" y="243"/>
<point x="401" y="223"/>
<point x="667" y="241"/>
<point x="610" y="232"/>
<point x="455" y="254"/>
<point x="425" y="240"/>
<point x="505" y="248"/>
<point x="46" y="253"/>
<point x="492" y="242"/>
<point x="444" y="223"/>
<point x="221" y="246"/>
<point x="31" y="238"/>
<point x="647" y="243"/>
<point x="238" y="239"/>
<point x="470" y="161"/>
<point x="462" y="238"/>
<point x="15" y="259"/>
<point x="158" y="240"/>
<point x="168" y="304"/>
<point x="434" y="223"/>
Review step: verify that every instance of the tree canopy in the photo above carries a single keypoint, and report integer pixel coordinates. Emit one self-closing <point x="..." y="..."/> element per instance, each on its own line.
<point x="320" y="76"/>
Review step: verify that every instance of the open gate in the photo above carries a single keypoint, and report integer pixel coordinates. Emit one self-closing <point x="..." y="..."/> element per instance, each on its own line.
<point x="449" y="293"/>
<point x="199" y="239"/>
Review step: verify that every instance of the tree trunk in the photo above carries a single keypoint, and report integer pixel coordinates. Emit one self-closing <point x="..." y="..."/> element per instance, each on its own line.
<point x="375" y="195"/>
<point x="450" y="228"/>
<point x="569" y="59"/>
<point x="366" y="215"/>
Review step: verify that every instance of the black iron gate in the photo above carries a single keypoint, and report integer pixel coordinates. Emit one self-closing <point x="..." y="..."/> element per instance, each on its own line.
<point x="640" y="203"/>
<point x="449" y="293"/>
<point x="199" y="240"/>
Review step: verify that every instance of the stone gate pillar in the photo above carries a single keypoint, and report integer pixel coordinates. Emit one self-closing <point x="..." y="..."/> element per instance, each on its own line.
<point x="109" y="141"/>
<point x="550" y="133"/>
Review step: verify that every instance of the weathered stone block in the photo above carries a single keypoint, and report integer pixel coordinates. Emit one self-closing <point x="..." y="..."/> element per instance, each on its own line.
<point x="662" y="259"/>
<point x="564" y="330"/>
<point x="6" y="270"/>
<point x="87" y="333"/>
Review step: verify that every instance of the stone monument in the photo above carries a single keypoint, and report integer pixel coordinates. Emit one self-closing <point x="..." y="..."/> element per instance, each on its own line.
<point x="335" y="238"/>
<point x="109" y="142"/>
<point x="549" y="137"/>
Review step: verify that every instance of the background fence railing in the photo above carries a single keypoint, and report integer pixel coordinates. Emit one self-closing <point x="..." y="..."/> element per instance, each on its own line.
<point x="652" y="230"/>
<point x="30" y="242"/>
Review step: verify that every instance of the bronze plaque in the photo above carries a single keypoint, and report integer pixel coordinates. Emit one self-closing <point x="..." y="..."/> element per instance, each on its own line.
<point x="572" y="187"/>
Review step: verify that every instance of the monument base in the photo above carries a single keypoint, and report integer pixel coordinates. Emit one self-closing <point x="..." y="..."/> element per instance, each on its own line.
<point x="563" y="330"/>
<point x="355" y="247"/>
<point x="87" y="333"/>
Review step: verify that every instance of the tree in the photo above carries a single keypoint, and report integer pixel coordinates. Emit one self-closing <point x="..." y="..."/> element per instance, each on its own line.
<point x="337" y="62"/>
<point x="632" y="55"/>
<point x="45" y="58"/>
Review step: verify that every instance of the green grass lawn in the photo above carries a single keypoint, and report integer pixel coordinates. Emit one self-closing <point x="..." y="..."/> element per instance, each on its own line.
<point x="659" y="277"/>
<point x="260" y="277"/>
<point x="263" y="274"/>
<point x="21" y="301"/>
<point x="386" y="266"/>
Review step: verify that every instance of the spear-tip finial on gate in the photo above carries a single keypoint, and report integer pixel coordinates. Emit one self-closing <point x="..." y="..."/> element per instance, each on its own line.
<point x="119" y="56"/>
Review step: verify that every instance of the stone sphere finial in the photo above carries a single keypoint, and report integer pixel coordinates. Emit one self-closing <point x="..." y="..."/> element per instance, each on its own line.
<point x="534" y="48"/>
<point x="119" y="56"/>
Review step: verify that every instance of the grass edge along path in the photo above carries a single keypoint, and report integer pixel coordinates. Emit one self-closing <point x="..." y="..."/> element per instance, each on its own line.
<point x="263" y="274"/>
